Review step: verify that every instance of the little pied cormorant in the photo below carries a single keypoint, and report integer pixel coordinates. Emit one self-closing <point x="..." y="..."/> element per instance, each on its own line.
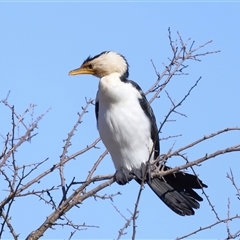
<point x="127" y="127"/>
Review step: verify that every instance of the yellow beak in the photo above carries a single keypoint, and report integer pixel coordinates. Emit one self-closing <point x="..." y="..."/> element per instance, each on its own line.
<point x="80" y="70"/>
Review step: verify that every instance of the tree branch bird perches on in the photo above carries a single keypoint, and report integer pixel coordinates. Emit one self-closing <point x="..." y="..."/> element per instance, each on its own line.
<point x="127" y="127"/>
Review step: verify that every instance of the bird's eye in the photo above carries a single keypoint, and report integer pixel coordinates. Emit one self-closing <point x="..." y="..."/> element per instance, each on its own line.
<point x="90" y="66"/>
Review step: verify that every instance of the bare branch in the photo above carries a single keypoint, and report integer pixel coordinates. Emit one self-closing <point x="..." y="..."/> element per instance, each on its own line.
<point x="196" y="162"/>
<point x="174" y="107"/>
<point x="126" y="225"/>
<point x="72" y="201"/>
<point x="231" y="177"/>
<point x="11" y="229"/>
<point x="209" y="226"/>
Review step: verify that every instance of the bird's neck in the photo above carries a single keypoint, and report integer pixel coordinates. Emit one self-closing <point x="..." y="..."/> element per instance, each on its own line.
<point x="111" y="88"/>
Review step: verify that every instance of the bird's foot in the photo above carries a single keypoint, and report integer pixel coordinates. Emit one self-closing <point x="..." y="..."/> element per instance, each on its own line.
<point x="141" y="173"/>
<point x="123" y="176"/>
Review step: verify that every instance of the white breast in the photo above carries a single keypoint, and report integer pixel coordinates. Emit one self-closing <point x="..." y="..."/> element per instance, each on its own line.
<point x="123" y="126"/>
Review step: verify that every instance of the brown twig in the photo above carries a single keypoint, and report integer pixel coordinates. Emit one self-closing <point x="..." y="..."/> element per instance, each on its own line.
<point x="175" y="106"/>
<point x="197" y="161"/>
<point x="70" y="202"/>
<point x="208" y="227"/>
<point x="10" y="227"/>
<point x="126" y="224"/>
<point x="231" y="177"/>
<point x="68" y="144"/>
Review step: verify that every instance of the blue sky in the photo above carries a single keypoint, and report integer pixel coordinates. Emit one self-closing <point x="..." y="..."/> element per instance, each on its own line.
<point x="41" y="42"/>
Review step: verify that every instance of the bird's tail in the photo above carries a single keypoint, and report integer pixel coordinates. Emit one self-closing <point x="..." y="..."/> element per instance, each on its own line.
<point x="176" y="191"/>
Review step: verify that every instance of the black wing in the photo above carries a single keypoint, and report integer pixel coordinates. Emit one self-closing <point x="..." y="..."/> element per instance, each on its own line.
<point x="96" y="108"/>
<point x="149" y="113"/>
<point x="175" y="190"/>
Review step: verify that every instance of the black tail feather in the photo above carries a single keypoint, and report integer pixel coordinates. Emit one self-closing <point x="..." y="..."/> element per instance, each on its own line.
<point x="176" y="191"/>
<point x="177" y="201"/>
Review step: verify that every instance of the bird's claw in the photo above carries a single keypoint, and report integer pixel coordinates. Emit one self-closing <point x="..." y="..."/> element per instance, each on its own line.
<point x="123" y="176"/>
<point x="141" y="173"/>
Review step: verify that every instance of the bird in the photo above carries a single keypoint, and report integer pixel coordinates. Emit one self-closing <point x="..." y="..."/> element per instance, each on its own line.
<point x="128" y="129"/>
